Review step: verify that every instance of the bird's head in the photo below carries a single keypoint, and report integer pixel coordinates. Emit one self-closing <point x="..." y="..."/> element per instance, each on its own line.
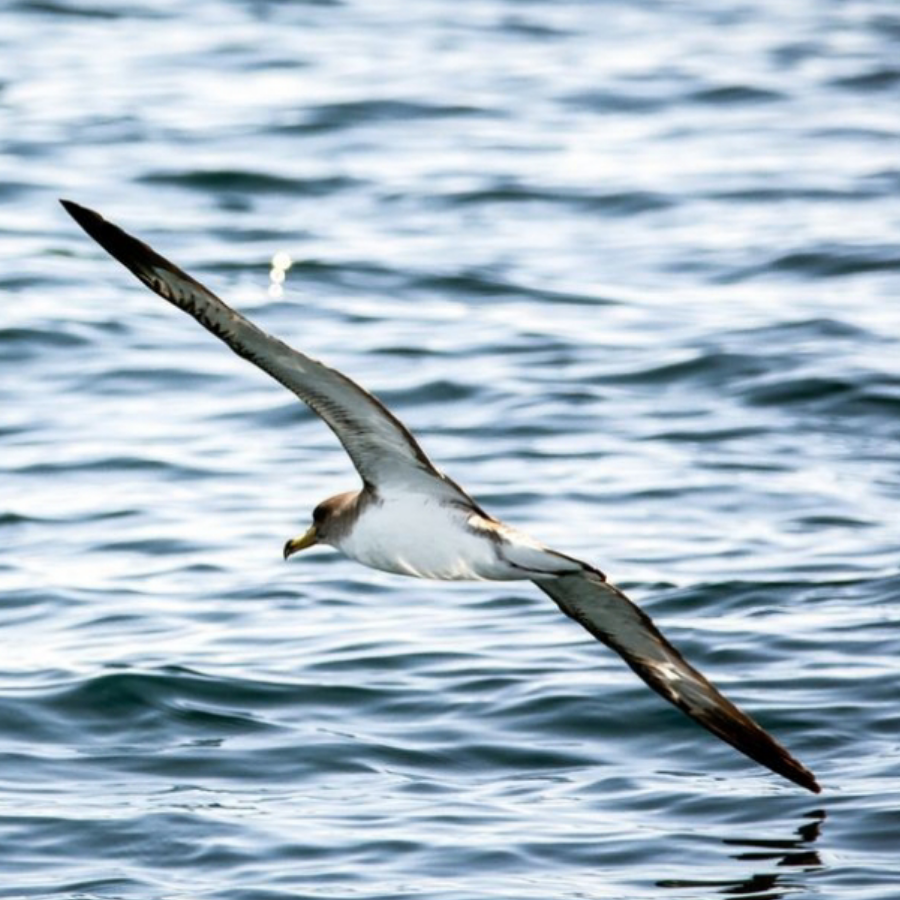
<point x="331" y="520"/>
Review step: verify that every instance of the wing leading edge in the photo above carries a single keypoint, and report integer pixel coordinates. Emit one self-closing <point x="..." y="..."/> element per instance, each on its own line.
<point x="380" y="446"/>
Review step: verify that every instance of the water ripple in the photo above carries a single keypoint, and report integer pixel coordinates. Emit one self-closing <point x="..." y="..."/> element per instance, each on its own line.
<point x="632" y="280"/>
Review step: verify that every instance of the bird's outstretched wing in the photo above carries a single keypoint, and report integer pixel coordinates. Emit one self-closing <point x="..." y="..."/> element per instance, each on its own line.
<point x="379" y="445"/>
<point x="612" y="618"/>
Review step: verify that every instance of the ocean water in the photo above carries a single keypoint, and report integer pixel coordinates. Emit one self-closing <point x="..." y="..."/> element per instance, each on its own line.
<point x="630" y="271"/>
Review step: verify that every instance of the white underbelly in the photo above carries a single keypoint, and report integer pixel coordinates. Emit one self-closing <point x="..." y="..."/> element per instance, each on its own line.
<point x="423" y="538"/>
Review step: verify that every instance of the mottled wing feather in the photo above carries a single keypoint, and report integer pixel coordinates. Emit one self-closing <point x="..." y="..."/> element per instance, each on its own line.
<point x="380" y="446"/>
<point x="612" y="618"/>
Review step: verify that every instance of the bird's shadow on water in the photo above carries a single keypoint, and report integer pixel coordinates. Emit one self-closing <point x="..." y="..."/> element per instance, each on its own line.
<point x="783" y="860"/>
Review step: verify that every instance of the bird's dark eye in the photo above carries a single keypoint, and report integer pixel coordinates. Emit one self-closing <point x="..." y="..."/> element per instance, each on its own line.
<point x="318" y="515"/>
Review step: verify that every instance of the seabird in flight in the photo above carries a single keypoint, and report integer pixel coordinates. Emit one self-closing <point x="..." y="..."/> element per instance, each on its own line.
<point x="411" y="519"/>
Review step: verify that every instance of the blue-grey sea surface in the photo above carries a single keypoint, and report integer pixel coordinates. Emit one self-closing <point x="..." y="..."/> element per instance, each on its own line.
<point x="630" y="271"/>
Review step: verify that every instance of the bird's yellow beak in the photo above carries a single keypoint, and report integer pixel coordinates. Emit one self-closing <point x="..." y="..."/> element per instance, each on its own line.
<point x="295" y="545"/>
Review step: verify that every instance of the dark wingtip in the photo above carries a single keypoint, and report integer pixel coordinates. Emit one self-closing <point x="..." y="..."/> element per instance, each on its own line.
<point x="93" y="223"/>
<point x="135" y="255"/>
<point x="104" y="233"/>
<point x="735" y="727"/>
<point x="809" y="782"/>
<point x="800" y="775"/>
<point x="81" y="214"/>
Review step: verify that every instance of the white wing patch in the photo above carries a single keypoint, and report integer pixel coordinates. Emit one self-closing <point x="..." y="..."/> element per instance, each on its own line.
<point x="612" y="618"/>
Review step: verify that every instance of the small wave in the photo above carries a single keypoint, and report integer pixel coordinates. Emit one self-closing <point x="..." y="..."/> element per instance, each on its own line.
<point x="335" y="116"/>
<point x="790" y="332"/>
<point x="19" y="344"/>
<point x="107" y="464"/>
<point x="766" y="194"/>
<point x="614" y="203"/>
<point x="837" y="262"/>
<point x="882" y="79"/>
<point x="122" y="701"/>
<point x="127" y="381"/>
<point x="159" y="546"/>
<point x="240" y="180"/>
<point x="708" y="367"/>
<point x="851" y="397"/>
<point x="75" y="9"/>
<point x="733" y="94"/>
<point x="475" y="283"/>
<point x="440" y="391"/>
<point x="607" y="101"/>
<point x="828" y="262"/>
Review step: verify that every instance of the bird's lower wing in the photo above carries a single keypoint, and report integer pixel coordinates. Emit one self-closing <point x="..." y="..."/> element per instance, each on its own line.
<point x="612" y="618"/>
<point x="380" y="446"/>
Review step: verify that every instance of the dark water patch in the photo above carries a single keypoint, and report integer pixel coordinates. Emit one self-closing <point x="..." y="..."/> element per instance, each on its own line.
<point x="379" y="658"/>
<point x="881" y="79"/>
<point x="10" y="190"/>
<point x="837" y="261"/>
<point x="78" y="10"/>
<point x="816" y="522"/>
<point x="735" y="94"/>
<point x="283" y="415"/>
<point x="409" y="352"/>
<point x="570" y="718"/>
<point x="193" y="839"/>
<point x="505" y="756"/>
<point x="510" y="499"/>
<point x="169" y="703"/>
<point x="706" y="434"/>
<point x="651" y="494"/>
<point x="19" y="344"/>
<point x="854" y="135"/>
<point x="240" y="234"/>
<point x="613" y="203"/>
<point x="223" y="181"/>
<point x="109" y="464"/>
<point x="538" y="346"/>
<point x="25" y="721"/>
<point x="862" y="192"/>
<point x="11" y="518"/>
<point x="805" y="390"/>
<point x="709" y="368"/>
<point x="745" y="463"/>
<point x="8" y="431"/>
<point x="610" y="101"/>
<point x="884" y="181"/>
<point x="884" y="23"/>
<point x="531" y="28"/>
<point x="485" y="284"/>
<point x="794" y="53"/>
<point x="827" y="262"/>
<point x="853" y="397"/>
<point x="441" y="391"/>
<point x="128" y="381"/>
<point x="716" y="598"/>
<point x="330" y="117"/>
<point x="38" y="279"/>
<point x="791" y="333"/>
<point x="149" y="546"/>
<point x="119" y="887"/>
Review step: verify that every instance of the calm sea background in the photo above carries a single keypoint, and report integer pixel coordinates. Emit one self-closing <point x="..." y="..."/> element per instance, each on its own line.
<point x="630" y="270"/>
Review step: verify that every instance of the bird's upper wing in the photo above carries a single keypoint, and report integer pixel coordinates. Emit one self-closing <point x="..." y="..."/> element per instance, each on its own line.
<point x="612" y="618"/>
<point x="380" y="446"/>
